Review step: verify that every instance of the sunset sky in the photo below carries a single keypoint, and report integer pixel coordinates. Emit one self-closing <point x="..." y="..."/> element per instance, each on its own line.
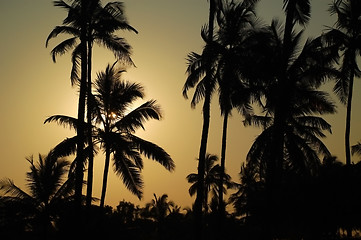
<point x="33" y="88"/>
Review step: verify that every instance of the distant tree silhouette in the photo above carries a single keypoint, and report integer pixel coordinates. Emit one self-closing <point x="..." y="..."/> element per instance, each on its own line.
<point x="211" y="180"/>
<point x="101" y="23"/>
<point x="346" y="36"/>
<point x="49" y="192"/>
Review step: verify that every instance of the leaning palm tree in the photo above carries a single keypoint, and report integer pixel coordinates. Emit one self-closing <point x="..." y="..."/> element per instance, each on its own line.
<point x="101" y="24"/>
<point x="346" y="35"/>
<point x="49" y="191"/>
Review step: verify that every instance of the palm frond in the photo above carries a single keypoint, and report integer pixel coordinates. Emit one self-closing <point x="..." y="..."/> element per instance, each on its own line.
<point x="136" y="118"/>
<point x="129" y="173"/>
<point x="63" y="120"/>
<point x="60" y="30"/>
<point x="153" y="151"/>
<point x="63" y="47"/>
<point x="9" y="188"/>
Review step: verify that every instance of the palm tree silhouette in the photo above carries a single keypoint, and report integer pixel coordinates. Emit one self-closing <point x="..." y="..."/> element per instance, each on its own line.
<point x="49" y="191"/>
<point x="112" y="110"/>
<point x="346" y="36"/>
<point x="115" y="124"/>
<point x="159" y="207"/>
<point x="101" y="23"/>
<point x="212" y="177"/>
<point x="234" y="21"/>
<point x="301" y="127"/>
<point x="203" y="75"/>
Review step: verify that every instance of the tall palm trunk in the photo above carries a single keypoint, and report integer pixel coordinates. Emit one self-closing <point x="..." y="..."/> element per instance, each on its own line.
<point x="348" y="119"/>
<point x="203" y="148"/>
<point x="105" y="175"/>
<point x="80" y="156"/>
<point x="89" y="130"/>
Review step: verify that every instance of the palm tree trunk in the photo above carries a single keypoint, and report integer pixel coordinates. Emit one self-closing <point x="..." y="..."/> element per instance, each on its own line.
<point x="105" y="176"/>
<point x="347" y="136"/>
<point x="79" y="174"/>
<point x="89" y="131"/>
<point x="348" y="120"/>
<point x="221" y="207"/>
<point x="203" y="148"/>
<point x="223" y="164"/>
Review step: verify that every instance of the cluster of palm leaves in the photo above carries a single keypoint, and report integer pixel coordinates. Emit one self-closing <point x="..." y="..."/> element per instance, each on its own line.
<point x="274" y="72"/>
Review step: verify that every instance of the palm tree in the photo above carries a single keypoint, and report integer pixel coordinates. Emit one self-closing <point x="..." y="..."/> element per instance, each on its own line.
<point x="204" y="89"/>
<point x="49" y="191"/>
<point x="211" y="179"/>
<point x="347" y="37"/>
<point x="291" y="104"/>
<point x="116" y="122"/>
<point x="235" y="23"/>
<point x="159" y="207"/>
<point x="306" y="71"/>
<point x="101" y="23"/>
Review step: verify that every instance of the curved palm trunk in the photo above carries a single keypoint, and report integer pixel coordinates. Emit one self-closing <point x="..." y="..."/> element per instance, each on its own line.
<point x="80" y="157"/>
<point x="105" y="176"/>
<point x="203" y="148"/>
<point x="348" y="121"/>
<point x="89" y="131"/>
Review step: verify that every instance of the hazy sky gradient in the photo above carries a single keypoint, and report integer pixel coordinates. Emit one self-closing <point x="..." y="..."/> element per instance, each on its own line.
<point x="33" y="88"/>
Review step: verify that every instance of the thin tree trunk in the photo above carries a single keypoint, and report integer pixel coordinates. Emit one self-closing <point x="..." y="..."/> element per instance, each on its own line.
<point x="347" y="137"/>
<point x="223" y="159"/>
<point x="221" y="207"/>
<point x="348" y="121"/>
<point x="203" y="148"/>
<point x="79" y="174"/>
<point x="89" y="131"/>
<point x="105" y="176"/>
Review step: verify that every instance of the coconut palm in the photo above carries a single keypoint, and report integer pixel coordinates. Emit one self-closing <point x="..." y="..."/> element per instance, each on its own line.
<point x="305" y="72"/>
<point x="346" y="35"/>
<point x="115" y="124"/>
<point x="112" y="111"/>
<point x="235" y="23"/>
<point x="159" y="207"/>
<point x="101" y="23"/>
<point x="49" y="192"/>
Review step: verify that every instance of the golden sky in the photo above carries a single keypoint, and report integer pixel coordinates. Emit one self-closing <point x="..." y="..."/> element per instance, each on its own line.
<point x="33" y="88"/>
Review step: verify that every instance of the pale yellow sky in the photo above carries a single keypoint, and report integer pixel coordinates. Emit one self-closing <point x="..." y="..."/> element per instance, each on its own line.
<point x="33" y="88"/>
